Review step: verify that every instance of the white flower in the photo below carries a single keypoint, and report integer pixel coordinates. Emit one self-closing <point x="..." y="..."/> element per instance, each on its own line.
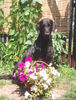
<point x="34" y="88"/>
<point x="55" y="72"/>
<point x="41" y="80"/>
<point x="51" y="68"/>
<point x="26" y="94"/>
<point x="45" y="86"/>
<point x="34" y="70"/>
<point x="48" y="81"/>
<point x="33" y="76"/>
<point x="45" y="77"/>
<point x="53" y="96"/>
<point x="28" y="70"/>
<point x="50" y="64"/>
<point x="42" y="73"/>
<point x="27" y="64"/>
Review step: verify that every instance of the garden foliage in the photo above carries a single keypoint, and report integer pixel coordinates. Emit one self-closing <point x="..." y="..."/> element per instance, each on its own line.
<point x="1" y="17"/>
<point x="24" y="16"/>
<point x="58" y="45"/>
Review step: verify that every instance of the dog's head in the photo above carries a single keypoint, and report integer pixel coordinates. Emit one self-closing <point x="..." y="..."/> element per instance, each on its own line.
<point x="45" y="27"/>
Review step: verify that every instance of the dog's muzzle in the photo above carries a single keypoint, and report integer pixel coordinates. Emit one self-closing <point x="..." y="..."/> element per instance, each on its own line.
<point x="47" y="34"/>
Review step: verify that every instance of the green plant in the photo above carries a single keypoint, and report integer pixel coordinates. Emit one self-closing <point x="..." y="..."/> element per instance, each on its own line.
<point x="2" y="82"/>
<point x="1" y="20"/>
<point x="3" y="97"/>
<point x="1" y="17"/>
<point x="58" y="44"/>
<point x="67" y="82"/>
<point x="24" y="16"/>
<point x="1" y="2"/>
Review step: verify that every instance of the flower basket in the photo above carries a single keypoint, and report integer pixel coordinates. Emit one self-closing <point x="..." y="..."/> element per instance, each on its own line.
<point x="37" y="76"/>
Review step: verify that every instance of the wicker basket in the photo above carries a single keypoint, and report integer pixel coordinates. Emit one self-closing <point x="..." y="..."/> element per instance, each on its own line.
<point x="39" y="62"/>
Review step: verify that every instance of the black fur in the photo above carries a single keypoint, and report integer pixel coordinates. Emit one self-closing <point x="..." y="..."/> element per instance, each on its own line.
<point x="42" y="48"/>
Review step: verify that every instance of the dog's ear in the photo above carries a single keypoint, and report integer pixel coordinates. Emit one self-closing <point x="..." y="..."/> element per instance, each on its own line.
<point x="54" y="27"/>
<point x="38" y="27"/>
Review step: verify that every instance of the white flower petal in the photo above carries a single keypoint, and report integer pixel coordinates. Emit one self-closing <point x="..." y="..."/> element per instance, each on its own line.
<point x="26" y="94"/>
<point x="27" y="64"/>
<point x="42" y="73"/>
<point x="48" y="81"/>
<point x="45" y="77"/>
<point x="33" y="76"/>
<point x="34" y="88"/>
<point x="55" y="72"/>
<point x="50" y="64"/>
<point x="45" y="86"/>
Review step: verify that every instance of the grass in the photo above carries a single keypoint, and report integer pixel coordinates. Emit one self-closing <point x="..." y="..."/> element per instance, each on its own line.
<point x="5" y="82"/>
<point x="67" y="81"/>
<point x="2" y="82"/>
<point x="5" y="69"/>
<point x="5" y="98"/>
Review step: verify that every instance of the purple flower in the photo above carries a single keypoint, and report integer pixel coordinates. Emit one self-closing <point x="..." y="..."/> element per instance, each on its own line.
<point x="28" y="59"/>
<point x="21" y="65"/>
<point x="14" y="75"/>
<point x="20" y="72"/>
<point x="37" y="70"/>
<point x="42" y="65"/>
<point x="23" y="78"/>
<point x="30" y="72"/>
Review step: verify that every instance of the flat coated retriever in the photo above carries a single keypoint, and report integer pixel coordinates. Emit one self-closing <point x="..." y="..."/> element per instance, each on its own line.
<point x="42" y="48"/>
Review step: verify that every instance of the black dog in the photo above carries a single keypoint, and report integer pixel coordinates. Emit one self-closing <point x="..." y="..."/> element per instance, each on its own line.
<point x="42" y="48"/>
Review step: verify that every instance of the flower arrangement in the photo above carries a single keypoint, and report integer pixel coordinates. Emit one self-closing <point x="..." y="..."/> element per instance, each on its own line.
<point x="37" y="76"/>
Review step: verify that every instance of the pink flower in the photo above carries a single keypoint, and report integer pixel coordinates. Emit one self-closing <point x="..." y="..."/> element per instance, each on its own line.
<point x="28" y="59"/>
<point x="14" y="75"/>
<point x="20" y="72"/>
<point x="21" y="65"/>
<point x="37" y="70"/>
<point x="23" y="77"/>
<point x="30" y="72"/>
<point x="42" y="65"/>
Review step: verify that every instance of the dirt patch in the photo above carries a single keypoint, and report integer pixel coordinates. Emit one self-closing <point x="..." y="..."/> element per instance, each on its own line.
<point x="15" y="92"/>
<point x="74" y="83"/>
<point x="56" y="93"/>
<point x="12" y="91"/>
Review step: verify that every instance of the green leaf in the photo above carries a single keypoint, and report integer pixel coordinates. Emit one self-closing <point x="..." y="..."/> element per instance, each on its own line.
<point x="23" y="1"/>
<point x="38" y="1"/>
<point x="1" y="2"/>
<point x="1" y="13"/>
<point x="12" y="32"/>
<point x="1" y="21"/>
<point x="28" y="42"/>
<point x="27" y="12"/>
<point x="21" y="40"/>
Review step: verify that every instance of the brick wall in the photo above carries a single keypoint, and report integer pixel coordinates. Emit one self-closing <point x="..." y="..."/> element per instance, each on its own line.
<point x="5" y="7"/>
<point x="57" y="10"/>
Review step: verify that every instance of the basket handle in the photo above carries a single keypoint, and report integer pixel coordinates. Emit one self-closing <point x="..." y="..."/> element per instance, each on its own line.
<point x="38" y="61"/>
